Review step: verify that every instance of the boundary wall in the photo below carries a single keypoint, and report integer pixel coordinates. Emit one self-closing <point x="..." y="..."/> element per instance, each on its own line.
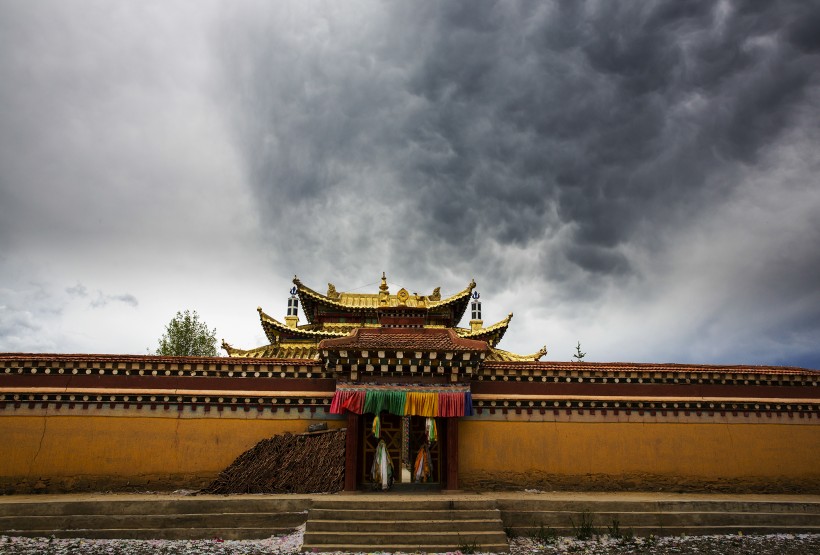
<point x="146" y="423"/>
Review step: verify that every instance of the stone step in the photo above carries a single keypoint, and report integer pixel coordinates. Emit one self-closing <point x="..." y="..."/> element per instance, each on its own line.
<point x="449" y="540"/>
<point x="705" y="506"/>
<point x="466" y="547"/>
<point x="432" y="525"/>
<point x="172" y="506"/>
<point x="376" y="513"/>
<point x="189" y="518"/>
<point x="706" y="530"/>
<point x="282" y="521"/>
<point x="155" y="533"/>
<point x="387" y="504"/>
<point x="560" y="518"/>
<point x="418" y="525"/>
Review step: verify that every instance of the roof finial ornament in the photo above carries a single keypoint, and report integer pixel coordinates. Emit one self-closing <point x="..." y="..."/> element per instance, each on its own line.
<point x="384" y="291"/>
<point x="292" y="318"/>
<point x="476" y="323"/>
<point x="332" y="293"/>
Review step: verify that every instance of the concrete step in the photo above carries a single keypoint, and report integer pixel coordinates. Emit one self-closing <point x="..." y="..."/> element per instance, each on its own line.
<point x="188" y="518"/>
<point x="160" y="506"/>
<point x="405" y="504"/>
<point x="207" y="520"/>
<point x="432" y="525"/>
<point x="418" y="525"/>
<point x="664" y="517"/>
<point x="671" y="530"/>
<point x="447" y="541"/>
<point x="466" y="546"/>
<point x="154" y="533"/>
<point x="705" y="506"/>
<point x="377" y="513"/>
<point x="560" y="518"/>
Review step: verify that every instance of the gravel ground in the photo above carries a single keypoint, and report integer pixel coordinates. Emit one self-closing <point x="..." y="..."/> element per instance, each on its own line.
<point x="780" y="544"/>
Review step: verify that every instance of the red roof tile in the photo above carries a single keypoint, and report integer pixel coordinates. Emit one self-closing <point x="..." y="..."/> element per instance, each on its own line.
<point x="409" y="339"/>
<point x="649" y="367"/>
<point x="58" y="357"/>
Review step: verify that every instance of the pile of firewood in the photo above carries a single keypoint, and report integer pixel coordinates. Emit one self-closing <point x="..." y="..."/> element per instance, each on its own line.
<point x="304" y="463"/>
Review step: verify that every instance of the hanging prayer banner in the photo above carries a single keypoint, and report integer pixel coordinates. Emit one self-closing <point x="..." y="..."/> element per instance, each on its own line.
<point x="382" y="470"/>
<point x="430" y="428"/>
<point x="403" y="400"/>
<point x="422" y="469"/>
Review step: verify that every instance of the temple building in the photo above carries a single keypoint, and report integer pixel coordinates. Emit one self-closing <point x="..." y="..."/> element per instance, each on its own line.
<point x="426" y="402"/>
<point x="381" y="347"/>
<point x="336" y="315"/>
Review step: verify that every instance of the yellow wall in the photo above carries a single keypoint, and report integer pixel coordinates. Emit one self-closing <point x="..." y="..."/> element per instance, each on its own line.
<point x="56" y="453"/>
<point x="114" y="451"/>
<point x="525" y="452"/>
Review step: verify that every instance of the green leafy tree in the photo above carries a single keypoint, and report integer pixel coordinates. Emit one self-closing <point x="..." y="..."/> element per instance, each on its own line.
<point x="187" y="335"/>
<point x="578" y="356"/>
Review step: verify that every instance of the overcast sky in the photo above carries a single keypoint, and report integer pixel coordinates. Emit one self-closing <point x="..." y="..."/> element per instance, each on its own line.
<point x="641" y="177"/>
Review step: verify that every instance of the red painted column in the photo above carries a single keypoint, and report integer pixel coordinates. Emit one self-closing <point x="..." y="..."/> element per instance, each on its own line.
<point x="452" y="453"/>
<point x="352" y="452"/>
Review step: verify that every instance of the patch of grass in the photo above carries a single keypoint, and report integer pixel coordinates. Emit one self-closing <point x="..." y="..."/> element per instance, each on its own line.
<point x="585" y="529"/>
<point x="467" y="547"/>
<point x="617" y="533"/>
<point x="544" y="535"/>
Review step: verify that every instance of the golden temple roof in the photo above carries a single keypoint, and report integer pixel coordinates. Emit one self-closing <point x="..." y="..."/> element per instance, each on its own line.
<point x="275" y="329"/>
<point x="345" y="316"/>
<point x="303" y="351"/>
<point x="373" y="301"/>
<point x="500" y="355"/>
<point x="491" y="334"/>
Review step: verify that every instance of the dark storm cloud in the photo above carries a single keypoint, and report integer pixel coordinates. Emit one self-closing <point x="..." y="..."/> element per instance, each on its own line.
<point x="510" y="120"/>
<point x="574" y="142"/>
<point x="629" y="174"/>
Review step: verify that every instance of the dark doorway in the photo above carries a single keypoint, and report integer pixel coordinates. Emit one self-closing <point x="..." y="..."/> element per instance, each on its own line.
<point x="403" y="436"/>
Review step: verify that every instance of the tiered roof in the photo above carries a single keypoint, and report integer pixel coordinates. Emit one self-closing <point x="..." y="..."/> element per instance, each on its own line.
<point x="491" y="334"/>
<point x="276" y="330"/>
<point x="342" y="318"/>
<point x="367" y="305"/>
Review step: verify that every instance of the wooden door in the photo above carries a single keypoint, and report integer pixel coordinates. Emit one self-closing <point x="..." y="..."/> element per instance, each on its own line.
<point x="393" y="436"/>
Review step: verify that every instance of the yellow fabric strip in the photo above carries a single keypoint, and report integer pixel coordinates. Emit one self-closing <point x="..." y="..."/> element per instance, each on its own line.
<point x="421" y="404"/>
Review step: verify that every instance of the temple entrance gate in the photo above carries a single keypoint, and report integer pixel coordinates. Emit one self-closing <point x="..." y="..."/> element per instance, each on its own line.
<point x="403" y="437"/>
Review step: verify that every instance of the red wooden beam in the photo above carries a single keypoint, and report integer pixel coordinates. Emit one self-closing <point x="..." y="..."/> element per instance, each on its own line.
<point x="452" y="453"/>
<point x="351" y="451"/>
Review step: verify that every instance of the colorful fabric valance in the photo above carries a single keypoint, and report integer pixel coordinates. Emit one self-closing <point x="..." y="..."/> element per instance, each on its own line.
<point x="403" y="400"/>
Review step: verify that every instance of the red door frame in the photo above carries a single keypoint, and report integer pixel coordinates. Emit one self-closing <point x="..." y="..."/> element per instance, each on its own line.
<point x="352" y="453"/>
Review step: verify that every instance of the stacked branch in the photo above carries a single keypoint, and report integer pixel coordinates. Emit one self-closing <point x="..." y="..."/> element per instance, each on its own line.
<point x="288" y="463"/>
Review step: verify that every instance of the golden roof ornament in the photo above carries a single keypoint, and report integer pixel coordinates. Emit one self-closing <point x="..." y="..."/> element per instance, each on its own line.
<point x="384" y="291"/>
<point x="332" y="293"/>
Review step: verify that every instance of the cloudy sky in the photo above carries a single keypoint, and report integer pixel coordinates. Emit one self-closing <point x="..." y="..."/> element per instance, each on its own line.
<point x="641" y="177"/>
